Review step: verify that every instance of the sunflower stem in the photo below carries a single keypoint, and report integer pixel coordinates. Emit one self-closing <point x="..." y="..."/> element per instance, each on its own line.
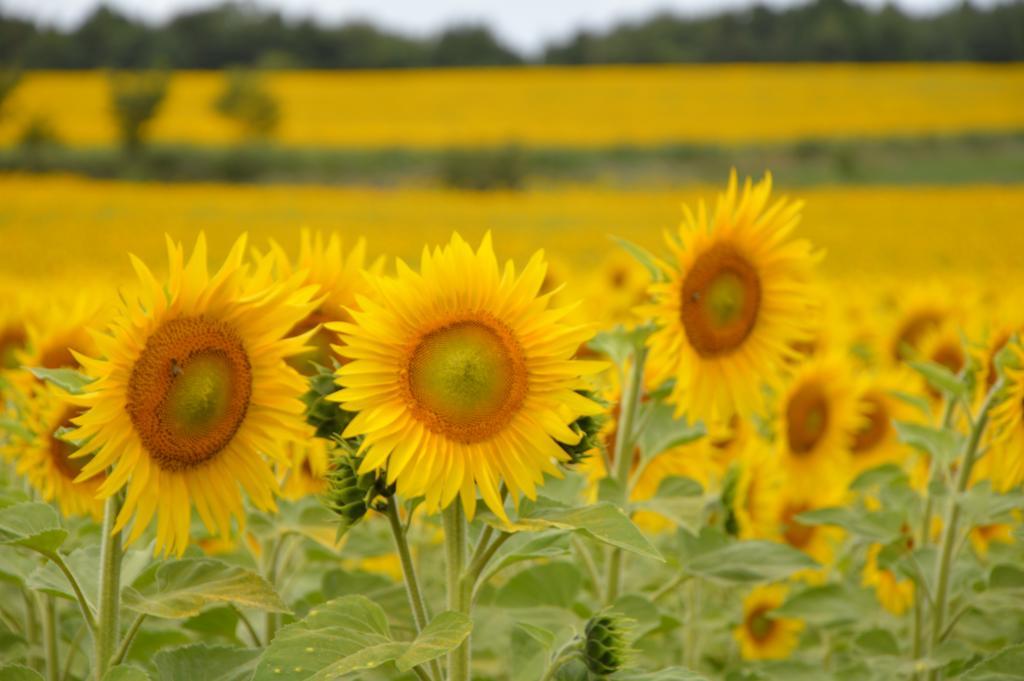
<point x="624" y="437"/>
<point x="83" y="604"/>
<point x="31" y="615"/>
<point x="412" y="582"/>
<point x="72" y="652"/>
<point x="126" y="643"/>
<point x="50" y="638"/>
<point x="110" y="588"/>
<point x="691" y="633"/>
<point x="459" y="588"/>
<point x="951" y="525"/>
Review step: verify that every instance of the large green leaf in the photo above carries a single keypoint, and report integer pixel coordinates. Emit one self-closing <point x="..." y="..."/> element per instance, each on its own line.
<point x="602" y="521"/>
<point x="1006" y="665"/>
<point x="17" y="672"/>
<point x="181" y="588"/>
<point x="84" y="564"/>
<point x="341" y="636"/>
<point x="619" y="343"/>
<point x="944" y="445"/>
<point x="209" y="663"/>
<point x="662" y="430"/>
<point x="33" y="525"/>
<point x="883" y="526"/>
<point x="749" y="561"/>
<point x="125" y="672"/>
<point x="828" y="603"/>
<point x="307" y="517"/>
<point x="668" y="674"/>
<point x="444" y="633"/>
<point x="940" y="378"/>
<point x="678" y="499"/>
<point x="546" y="585"/>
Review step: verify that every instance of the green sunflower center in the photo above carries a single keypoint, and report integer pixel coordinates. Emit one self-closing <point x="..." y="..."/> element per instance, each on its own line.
<point x="807" y="417"/>
<point x="721" y="299"/>
<point x="189" y="391"/>
<point x="200" y="393"/>
<point x="466" y="378"/>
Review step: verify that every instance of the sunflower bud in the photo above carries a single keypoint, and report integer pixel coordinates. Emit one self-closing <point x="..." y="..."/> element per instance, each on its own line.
<point x="349" y="494"/>
<point x="606" y="646"/>
<point x="327" y="417"/>
<point x="588" y="428"/>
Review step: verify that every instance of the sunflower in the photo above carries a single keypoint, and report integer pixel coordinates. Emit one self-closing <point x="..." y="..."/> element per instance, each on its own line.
<point x="338" y="276"/>
<point x="46" y="458"/>
<point x="462" y="378"/>
<point x="736" y="302"/>
<point x="759" y="493"/>
<point x="817" y="541"/>
<point x="895" y="594"/>
<point x="917" y="313"/>
<point x="761" y="635"/>
<point x="982" y="536"/>
<point x="59" y="331"/>
<point x="875" y="441"/>
<point x="1008" y="415"/>
<point x="191" y="388"/>
<point x="815" y="421"/>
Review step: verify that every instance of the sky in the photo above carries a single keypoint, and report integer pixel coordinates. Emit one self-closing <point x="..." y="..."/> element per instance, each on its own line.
<point x="524" y="24"/>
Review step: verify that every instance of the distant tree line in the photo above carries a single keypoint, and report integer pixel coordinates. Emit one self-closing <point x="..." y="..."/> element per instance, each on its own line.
<point x="244" y="35"/>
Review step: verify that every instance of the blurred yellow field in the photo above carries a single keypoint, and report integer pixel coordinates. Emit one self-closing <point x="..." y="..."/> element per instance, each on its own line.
<point x="87" y="225"/>
<point x="557" y="106"/>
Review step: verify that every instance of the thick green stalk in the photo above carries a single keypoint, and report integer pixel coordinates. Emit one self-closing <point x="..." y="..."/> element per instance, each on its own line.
<point x="459" y="589"/>
<point x="31" y="630"/>
<point x="107" y="632"/>
<point x="50" y="638"/>
<point x="412" y="583"/>
<point x="951" y="526"/>
<point x="625" y="443"/>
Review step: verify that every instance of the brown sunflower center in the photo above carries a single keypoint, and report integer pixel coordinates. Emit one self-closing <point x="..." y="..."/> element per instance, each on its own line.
<point x="795" y="533"/>
<point x="807" y="416"/>
<point x="465" y="379"/>
<point x="189" y="391"/>
<point x="58" y="356"/>
<point x="721" y="300"/>
<point x="12" y="339"/>
<point x="759" y="624"/>
<point x="873" y="431"/>
<point x="913" y="329"/>
<point x="61" y="450"/>
<point x="949" y="355"/>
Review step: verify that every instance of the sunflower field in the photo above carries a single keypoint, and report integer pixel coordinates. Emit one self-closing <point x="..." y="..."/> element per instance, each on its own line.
<point x="624" y="430"/>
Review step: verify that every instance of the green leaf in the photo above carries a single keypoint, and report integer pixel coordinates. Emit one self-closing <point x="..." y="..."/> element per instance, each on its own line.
<point x="15" y="428"/>
<point x="827" y="604"/>
<point x="33" y="525"/>
<point x="882" y="526"/>
<point x="678" y="499"/>
<point x="340" y="636"/>
<point x="1006" y="665"/>
<point x="125" y="672"/>
<point x="944" y="445"/>
<point x="547" y="545"/>
<point x="619" y="344"/>
<point x="209" y="663"/>
<point x="549" y="584"/>
<point x="307" y="517"/>
<point x="68" y="380"/>
<point x="1006" y="576"/>
<point x="940" y="378"/>
<point x="662" y="430"/>
<point x="879" y="476"/>
<point x="750" y="561"/>
<point x="444" y="633"/>
<point x="878" y="642"/>
<point x="642" y="256"/>
<point x="602" y="521"/>
<point x="17" y="672"/>
<point x="84" y="564"/>
<point x="182" y="588"/>
<point x="667" y="674"/>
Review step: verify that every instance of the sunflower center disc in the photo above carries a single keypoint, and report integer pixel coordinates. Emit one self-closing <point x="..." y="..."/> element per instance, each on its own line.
<point x="721" y="301"/>
<point x="794" y="532"/>
<point x="872" y="432"/>
<point x="759" y="624"/>
<point x="189" y="391"/>
<point x="12" y="339"/>
<point x="806" y="419"/>
<point x="61" y="450"/>
<point x="466" y="379"/>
